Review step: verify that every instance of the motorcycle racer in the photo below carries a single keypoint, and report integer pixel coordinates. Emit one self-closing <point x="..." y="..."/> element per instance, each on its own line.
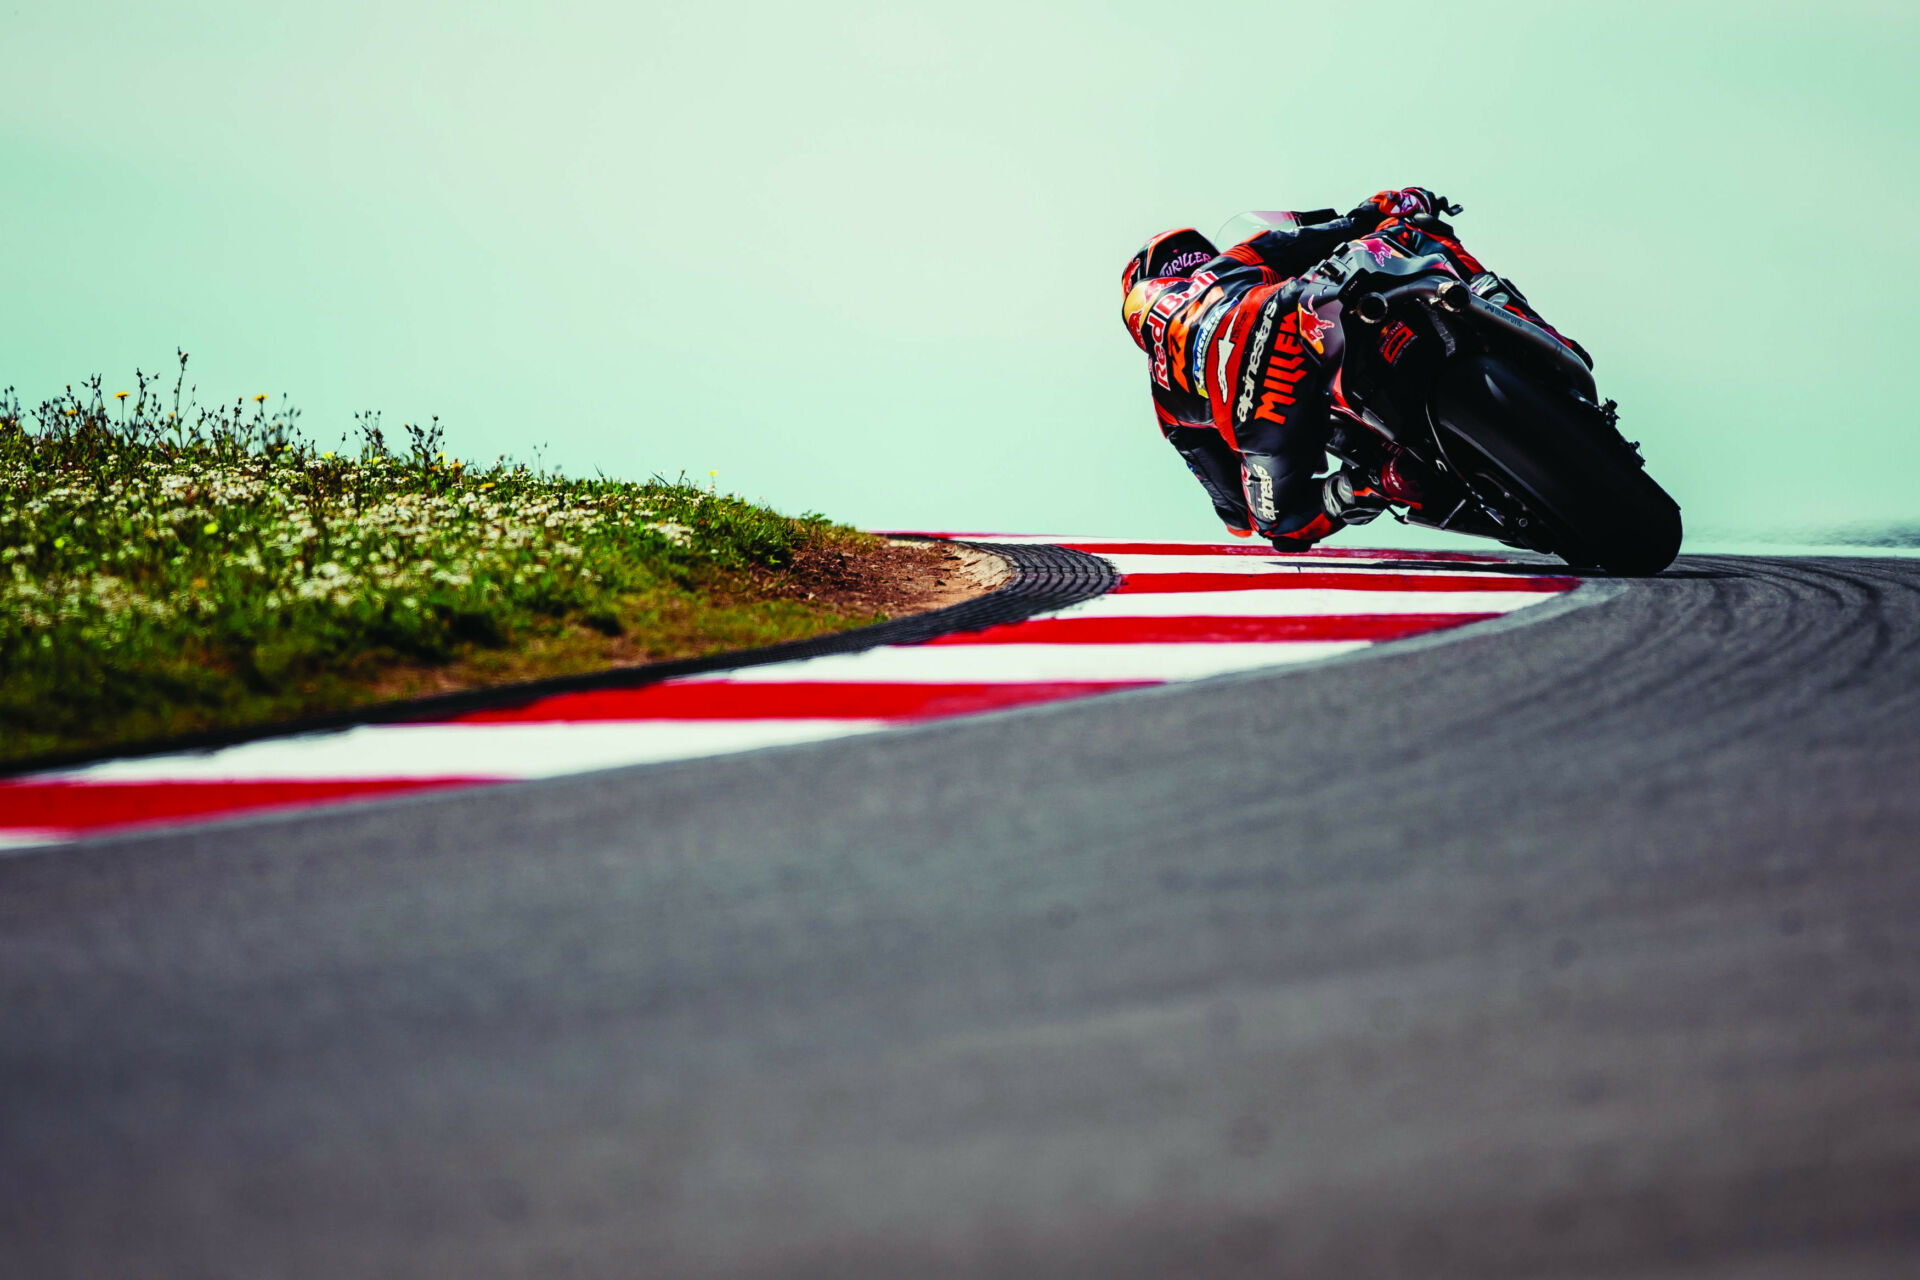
<point x="1244" y="345"/>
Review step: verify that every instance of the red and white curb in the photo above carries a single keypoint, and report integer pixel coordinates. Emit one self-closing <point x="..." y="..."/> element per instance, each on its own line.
<point x="1180" y="611"/>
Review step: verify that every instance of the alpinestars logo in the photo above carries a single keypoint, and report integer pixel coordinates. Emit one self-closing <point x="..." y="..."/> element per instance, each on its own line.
<point x="1244" y="405"/>
<point x="1260" y="492"/>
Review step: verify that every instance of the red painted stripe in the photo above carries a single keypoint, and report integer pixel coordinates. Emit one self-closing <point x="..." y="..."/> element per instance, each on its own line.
<point x="1254" y="548"/>
<point x="1260" y="549"/>
<point x="72" y="805"/>
<point x="1314" y="579"/>
<point x="1364" y="626"/>
<point x="801" y="700"/>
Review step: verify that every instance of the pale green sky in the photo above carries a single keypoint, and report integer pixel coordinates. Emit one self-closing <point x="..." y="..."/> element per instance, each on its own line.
<point x="865" y="258"/>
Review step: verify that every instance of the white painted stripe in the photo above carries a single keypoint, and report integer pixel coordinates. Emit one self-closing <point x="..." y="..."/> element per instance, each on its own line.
<point x="1128" y="562"/>
<point x="1009" y="663"/>
<point x="1324" y="556"/>
<point x="27" y="837"/>
<point x="1299" y="603"/>
<point x="1031" y="539"/>
<point x="502" y="751"/>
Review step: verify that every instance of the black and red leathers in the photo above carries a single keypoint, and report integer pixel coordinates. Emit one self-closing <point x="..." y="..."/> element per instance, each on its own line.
<point x="1243" y="345"/>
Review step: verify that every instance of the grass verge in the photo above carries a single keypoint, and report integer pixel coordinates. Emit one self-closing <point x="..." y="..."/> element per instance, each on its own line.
<point x="167" y="568"/>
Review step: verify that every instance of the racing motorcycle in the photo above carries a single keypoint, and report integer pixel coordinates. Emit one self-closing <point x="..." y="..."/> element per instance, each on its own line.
<point x="1469" y="416"/>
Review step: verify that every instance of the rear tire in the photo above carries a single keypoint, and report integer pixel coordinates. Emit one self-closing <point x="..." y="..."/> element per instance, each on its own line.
<point x="1555" y="453"/>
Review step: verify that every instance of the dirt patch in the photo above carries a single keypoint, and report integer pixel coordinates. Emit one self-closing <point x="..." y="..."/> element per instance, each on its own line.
<point x="900" y="576"/>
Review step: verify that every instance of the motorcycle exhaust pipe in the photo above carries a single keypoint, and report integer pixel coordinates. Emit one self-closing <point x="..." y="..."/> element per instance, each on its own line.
<point x="1455" y="297"/>
<point x="1371" y="308"/>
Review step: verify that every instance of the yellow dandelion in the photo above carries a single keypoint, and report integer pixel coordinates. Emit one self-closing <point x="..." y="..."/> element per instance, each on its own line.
<point x="257" y="399"/>
<point x="211" y="526"/>
<point x="326" y="455"/>
<point x="119" y="395"/>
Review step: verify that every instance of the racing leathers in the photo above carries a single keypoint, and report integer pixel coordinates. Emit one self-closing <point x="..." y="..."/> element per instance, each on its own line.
<point x="1243" y="345"/>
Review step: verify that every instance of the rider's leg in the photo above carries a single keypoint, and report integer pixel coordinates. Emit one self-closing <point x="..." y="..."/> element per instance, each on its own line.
<point x="1278" y="416"/>
<point x="1217" y="468"/>
<point x="1283" y="491"/>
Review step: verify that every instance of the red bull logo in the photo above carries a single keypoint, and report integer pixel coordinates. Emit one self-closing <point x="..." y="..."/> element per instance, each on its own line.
<point x="1379" y="248"/>
<point x="1138" y="300"/>
<point x="1311" y="327"/>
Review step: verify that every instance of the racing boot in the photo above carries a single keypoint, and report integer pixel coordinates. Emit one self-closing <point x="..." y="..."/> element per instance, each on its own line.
<point x="1349" y="498"/>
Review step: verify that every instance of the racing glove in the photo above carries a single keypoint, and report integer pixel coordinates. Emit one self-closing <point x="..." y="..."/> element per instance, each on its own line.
<point x="1406" y="202"/>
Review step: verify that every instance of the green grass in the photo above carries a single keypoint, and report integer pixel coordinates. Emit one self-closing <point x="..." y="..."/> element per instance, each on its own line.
<point x="167" y="568"/>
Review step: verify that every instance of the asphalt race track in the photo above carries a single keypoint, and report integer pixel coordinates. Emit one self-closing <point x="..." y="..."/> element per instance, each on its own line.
<point x="1580" y="947"/>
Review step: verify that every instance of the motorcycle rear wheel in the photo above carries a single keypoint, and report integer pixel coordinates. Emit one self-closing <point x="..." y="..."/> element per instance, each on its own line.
<point x="1553" y="452"/>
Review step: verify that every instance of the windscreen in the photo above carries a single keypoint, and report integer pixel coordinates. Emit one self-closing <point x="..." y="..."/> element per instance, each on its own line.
<point x="1244" y="226"/>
